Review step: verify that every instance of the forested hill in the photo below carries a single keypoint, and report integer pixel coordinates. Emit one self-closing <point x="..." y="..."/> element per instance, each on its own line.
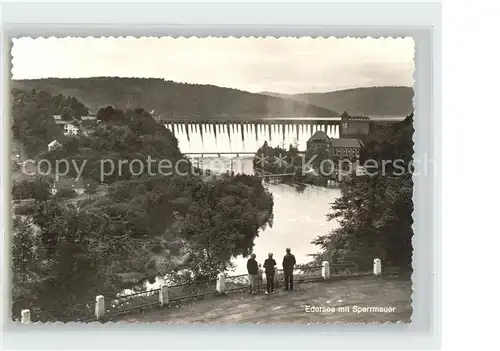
<point x="171" y="99"/>
<point x="372" y="101"/>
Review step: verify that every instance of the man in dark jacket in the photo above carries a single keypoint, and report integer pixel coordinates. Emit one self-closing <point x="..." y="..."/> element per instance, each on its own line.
<point x="288" y="263"/>
<point x="269" y="265"/>
<point x="253" y="277"/>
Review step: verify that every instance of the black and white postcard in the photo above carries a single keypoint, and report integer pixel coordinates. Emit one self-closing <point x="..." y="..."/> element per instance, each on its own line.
<point x="212" y="180"/>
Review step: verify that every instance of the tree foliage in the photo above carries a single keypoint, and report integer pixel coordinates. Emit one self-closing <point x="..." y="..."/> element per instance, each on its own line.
<point x="33" y="117"/>
<point x="124" y="149"/>
<point x="60" y="255"/>
<point x="38" y="189"/>
<point x="221" y="220"/>
<point x="375" y="211"/>
<point x="179" y="220"/>
<point x="278" y="160"/>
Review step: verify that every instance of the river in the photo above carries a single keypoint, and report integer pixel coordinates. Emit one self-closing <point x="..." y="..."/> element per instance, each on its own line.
<point x="298" y="219"/>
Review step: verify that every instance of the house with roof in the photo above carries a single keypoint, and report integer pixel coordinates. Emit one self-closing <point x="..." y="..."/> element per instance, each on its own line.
<point x="71" y="129"/>
<point x="339" y="150"/>
<point x="54" y="144"/>
<point x="345" y="148"/>
<point x="319" y="140"/>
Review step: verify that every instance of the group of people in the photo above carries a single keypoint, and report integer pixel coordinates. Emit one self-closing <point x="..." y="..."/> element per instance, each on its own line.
<point x="255" y="272"/>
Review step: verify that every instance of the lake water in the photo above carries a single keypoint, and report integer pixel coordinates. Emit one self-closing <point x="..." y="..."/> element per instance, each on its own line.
<point x="299" y="218"/>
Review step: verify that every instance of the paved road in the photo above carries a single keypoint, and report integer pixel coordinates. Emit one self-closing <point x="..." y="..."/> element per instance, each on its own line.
<point x="290" y="307"/>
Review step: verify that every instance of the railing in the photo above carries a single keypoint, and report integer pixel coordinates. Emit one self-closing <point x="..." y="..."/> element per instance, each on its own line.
<point x="194" y="290"/>
<point x="305" y="273"/>
<point x="168" y="294"/>
<point x="131" y="302"/>
<point x="81" y="312"/>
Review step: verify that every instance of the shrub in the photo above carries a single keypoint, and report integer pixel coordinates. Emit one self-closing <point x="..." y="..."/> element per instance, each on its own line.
<point x="15" y="166"/>
<point x="31" y="189"/>
<point x="25" y="209"/>
<point x="65" y="193"/>
<point x="90" y="187"/>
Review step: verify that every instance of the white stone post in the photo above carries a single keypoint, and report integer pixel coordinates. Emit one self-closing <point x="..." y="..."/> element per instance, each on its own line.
<point x="25" y="316"/>
<point x="164" y="295"/>
<point x="325" y="271"/>
<point x="99" y="307"/>
<point x="377" y="266"/>
<point x="221" y="283"/>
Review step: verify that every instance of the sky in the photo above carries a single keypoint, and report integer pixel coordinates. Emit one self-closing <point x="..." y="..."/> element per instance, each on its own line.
<point x="283" y="65"/>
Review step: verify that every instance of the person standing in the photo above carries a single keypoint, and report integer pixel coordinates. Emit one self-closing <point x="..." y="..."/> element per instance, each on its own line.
<point x="288" y="264"/>
<point x="269" y="267"/>
<point x="253" y="270"/>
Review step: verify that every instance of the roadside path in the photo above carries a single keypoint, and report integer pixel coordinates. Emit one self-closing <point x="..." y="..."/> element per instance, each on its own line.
<point x="290" y="307"/>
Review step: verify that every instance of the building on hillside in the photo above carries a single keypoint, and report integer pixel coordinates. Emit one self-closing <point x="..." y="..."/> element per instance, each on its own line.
<point x="354" y="127"/>
<point x="155" y="116"/>
<point x="53" y="189"/>
<point x="343" y="152"/>
<point x="61" y="122"/>
<point x="54" y="144"/>
<point x="337" y="148"/>
<point x="71" y="129"/>
<point x="319" y="140"/>
<point x="345" y="148"/>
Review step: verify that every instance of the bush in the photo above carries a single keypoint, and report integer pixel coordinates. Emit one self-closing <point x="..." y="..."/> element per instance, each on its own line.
<point x="25" y="209"/>
<point x="90" y="187"/>
<point x="65" y="193"/>
<point x="85" y="202"/>
<point x="15" y="166"/>
<point x="91" y="200"/>
<point x="31" y="189"/>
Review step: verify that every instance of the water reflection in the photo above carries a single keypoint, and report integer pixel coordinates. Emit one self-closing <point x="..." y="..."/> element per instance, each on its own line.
<point x="298" y="219"/>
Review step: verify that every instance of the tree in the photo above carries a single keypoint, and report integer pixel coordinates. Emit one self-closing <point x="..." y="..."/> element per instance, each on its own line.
<point x="110" y="114"/>
<point x="90" y="187"/>
<point x="136" y="137"/>
<point x="38" y="189"/>
<point x="72" y="256"/>
<point x="33" y="118"/>
<point x="375" y="212"/>
<point x="23" y="251"/>
<point x="24" y="263"/>
<point x="65" y="193"/>
<point x="82" y="250"/>
<point x="222" y="220"/>
<point x="67" y="114"/>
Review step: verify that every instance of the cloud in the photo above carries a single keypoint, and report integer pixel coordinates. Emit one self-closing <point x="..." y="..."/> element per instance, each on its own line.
<point x="286" y="65"/>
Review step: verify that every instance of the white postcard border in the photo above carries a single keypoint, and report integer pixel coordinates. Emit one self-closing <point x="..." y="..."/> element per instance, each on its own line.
<point x="421" y="21"/>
